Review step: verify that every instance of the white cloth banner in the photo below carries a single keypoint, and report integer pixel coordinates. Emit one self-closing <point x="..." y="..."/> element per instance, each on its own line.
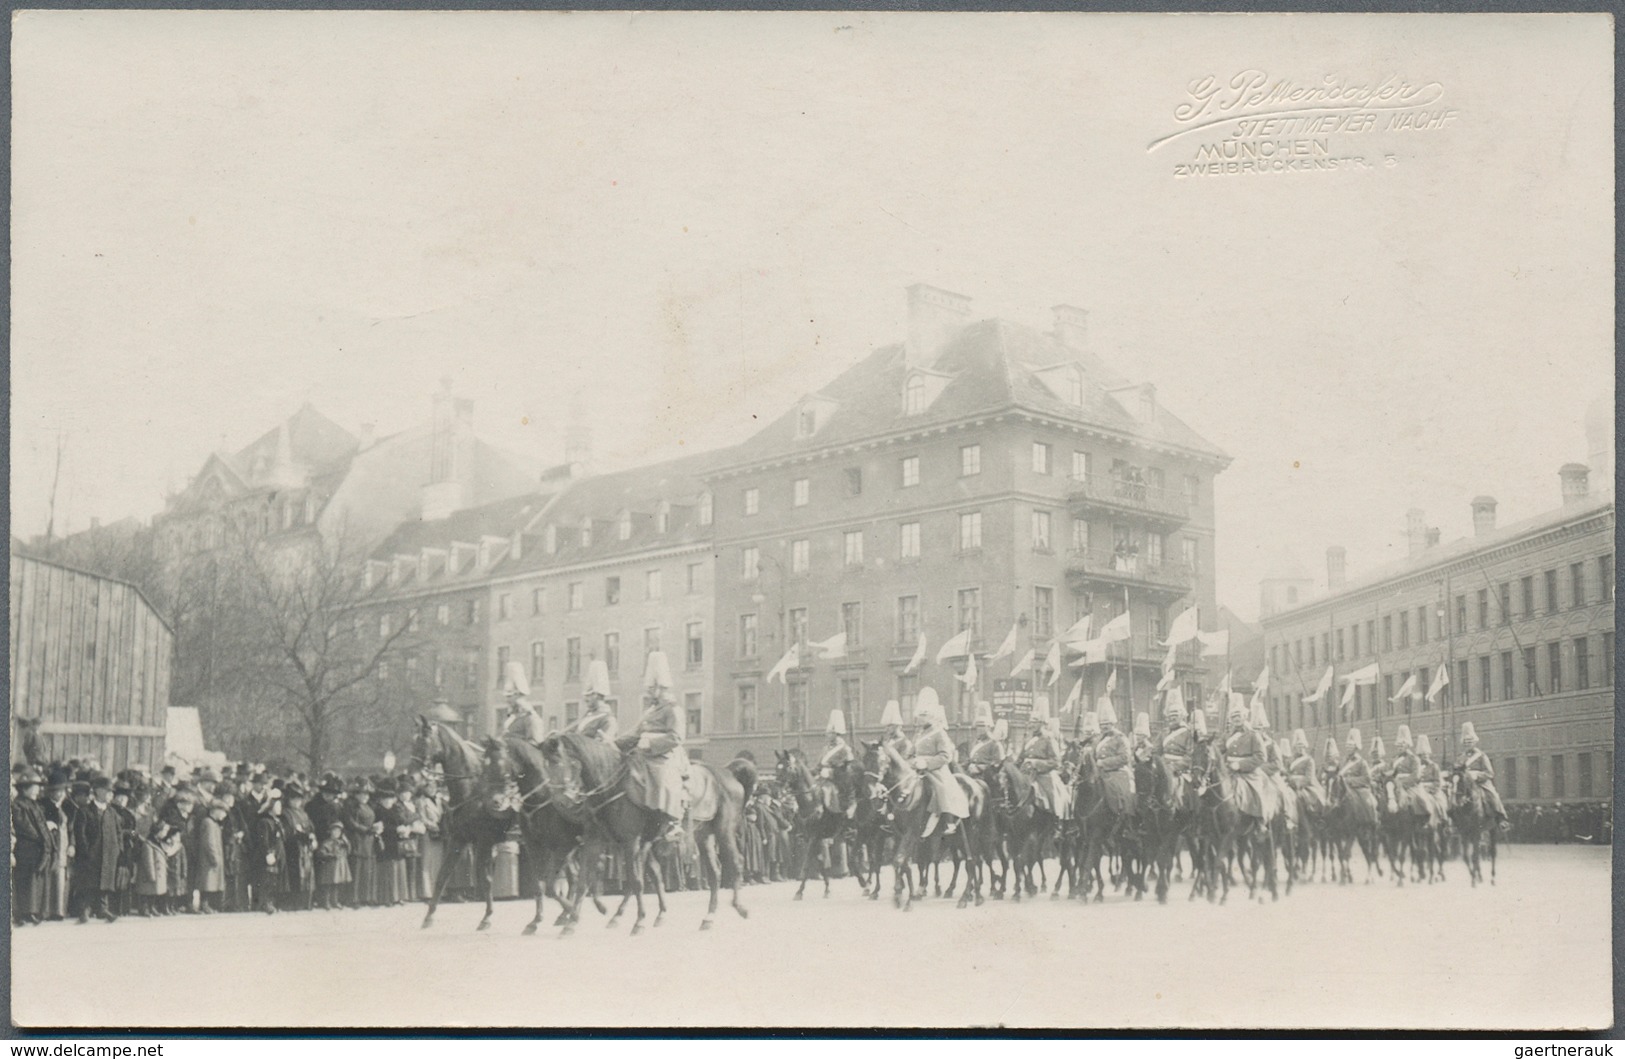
<point x="1214" y="643"/>
<point x="1321" y="688"/>
<point x="1008" y="647"/>
<point x="1183" y="629"/>
<point x="1025" y="664"/>
<point x="919" y="656"/>
<point x="791" y="659"/>
<point x="1441" y="678"/>
<point x="955" y="648"/>
<point x="1116" y="629"/>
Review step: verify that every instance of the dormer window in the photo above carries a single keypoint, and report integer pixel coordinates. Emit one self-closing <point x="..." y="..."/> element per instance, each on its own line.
<point x="663" y="517"/>
<point x="623" y="527"/>
<point x="586" y="533"/>
<point x="551" y="539"/>
<point x="1065" y="381"/>
<point x="1074" y="388"/>
<point x="914" y="396"/>
<point x="705" y="509"/>
<point x="812" y="414"/>
<point x="807" y="422"/>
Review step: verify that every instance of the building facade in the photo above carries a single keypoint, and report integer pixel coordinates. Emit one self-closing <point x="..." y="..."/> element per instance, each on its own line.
<point x="1522" y="619"/>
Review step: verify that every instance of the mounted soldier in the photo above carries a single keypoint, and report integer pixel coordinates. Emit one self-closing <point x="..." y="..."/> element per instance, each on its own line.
<point x="657" y="761"/>
<point x="1302" y="776"/>
<point x="1477" y="766"/>
<point x="1431" y="778"/>
<point x="1244" y="759"/>
<point x="891" y="719"/>
<point x="1113" y="760"/>
<point x="1143" y="747"/>
<point x="1380" y="773"/>
<point x="522" y="719"/>
<point x="933" y="753"/>
<point x="836" y="756"/>
<point x="1178" y="742"/>
<point x="597" y="722"/>
<point x="1275" y="789"/>
<point x="987" y="751"/>
<point x="1040" y="757"/>
<point x="1407" y="774"/>
<point x="1356" y="773"/>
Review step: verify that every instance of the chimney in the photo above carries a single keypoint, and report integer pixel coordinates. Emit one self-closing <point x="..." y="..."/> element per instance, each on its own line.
<point x="516" y="545"/>
<point x="1433" y="536"/>
<point x="1336" y="568"/>
<point x="1416" y="531"/>
<point x="1071" y="326"/>
<point x="368" y="436"/>
<point x="934" y="316"/>
<point x="1575" y="481"/>
<point x="1483" y="516"/>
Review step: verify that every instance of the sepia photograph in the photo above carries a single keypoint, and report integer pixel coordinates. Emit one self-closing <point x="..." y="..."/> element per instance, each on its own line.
<point x="818" y="520"/>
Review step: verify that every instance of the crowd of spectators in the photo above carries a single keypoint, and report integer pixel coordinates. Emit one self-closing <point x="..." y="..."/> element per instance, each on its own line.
<point x="1587" y="823"/>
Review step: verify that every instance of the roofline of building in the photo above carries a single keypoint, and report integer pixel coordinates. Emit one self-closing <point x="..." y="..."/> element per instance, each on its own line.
<point x="1601" y="509"/>
<point x="1010" y="410"/>
<point x="483" y="583"/>
<point x="26" y="553"/>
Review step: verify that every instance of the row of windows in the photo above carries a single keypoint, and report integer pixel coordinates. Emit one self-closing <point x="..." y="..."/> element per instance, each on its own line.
<point x="1398" y="630"/>
<point x="970" y="463"/>
<point x="1522" y="777"/>
<point x="693" y="653"/>
<point x="468" y="612"/>
<point x="466" y="674"/>
<point x="623" y="525"/>
<point x="575" y="594"/>
<point x="1545" y="669"/>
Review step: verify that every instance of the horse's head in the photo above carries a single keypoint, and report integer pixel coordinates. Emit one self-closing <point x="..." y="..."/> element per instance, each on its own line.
<point x="422" y="734"/>
<point x="499" y="769"/>
<point x="792" y="770"/>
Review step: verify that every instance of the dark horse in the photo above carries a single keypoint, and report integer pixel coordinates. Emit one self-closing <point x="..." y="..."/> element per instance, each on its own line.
<point x="479" y="813"/>
<point x="1223" y="831"/>
<point x="551" y="817"/>
<point x="1167" y="813"/>
<point x="615" y="821"/>
<point x="908" y="801"/>
<point x="815" y="820"/>
<point x="1474" y="823"/>
<point x="1027" y="825"/>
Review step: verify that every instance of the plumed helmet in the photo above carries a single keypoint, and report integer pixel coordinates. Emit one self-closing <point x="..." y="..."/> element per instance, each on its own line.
<point x="926" y="705"/>
<point x="892" y="714"/>
<point x="1142" y="725"/>
<point x="1300" y="741"/>
<point x="1403" y="737"/>
<point x="1423" y="747"/>
<point x="1091" y="723"/>
<point x="597" y="679"/>
<point x="1001" y="729"/>
<point x="514" y="681"/>
<point x="1105" y="711"/>
<point x="1468" y="735"/>
<point x="1260" y="717"/>
<point x="1173" y="710"/>
<point x="1377" y="747"/>
<point x="1331" y="749"/>
<point x="1237" y="708"/>
<point x="1199" y="723"/>
<point x="657" y="671"/>
<point x="984" y="714"/>
<point x="1354" y="739"/>
<point x="837" y="722"/>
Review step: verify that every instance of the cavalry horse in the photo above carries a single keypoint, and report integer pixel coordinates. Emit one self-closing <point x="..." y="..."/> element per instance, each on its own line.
<point x="551" y="818"/>
<point x="1025" y="824"/>
<point x="1474" y="823"/>
<point x="908" y="802"/>
<point x="1349" y="821"/>
<point x="479" y="814"/>
<point x="1224" y="830"/>
<point x="814" y="820"/>
<point x="1167" y="811"/>
<point x="1103" y="831"/>
<point x="872" y="823"/>
<point x="615" y="821"/>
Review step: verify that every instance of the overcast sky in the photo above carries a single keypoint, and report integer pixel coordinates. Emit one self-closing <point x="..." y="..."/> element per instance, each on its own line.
<point x="690" y="220"/>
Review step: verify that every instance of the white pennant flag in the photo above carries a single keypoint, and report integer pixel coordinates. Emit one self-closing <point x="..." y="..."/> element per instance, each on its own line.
<point x="1214" y="643"/>
<point x="1365" y="676"/>
<point x="1025" y="664"/>
<point x="1224" y="685"/>
<point x="1323" y="687"/>
<point x="919" y="656"/>
<point x="1441" y="678"/>
<point x="1072" y="699"/>
<point x="1405" y="689"/>
<point x="1080" y="629"/>
<point x="1111" y="682"/>
<point x="954" y="648"/>
<point x="834" y="647"/>
<point x="791" y="659"/>
<point x="1092" y="651"/>
<point x="1348" y="696"/>
<point x="968" y="678"/>
<point x="1116" y="629"/>
<point x="1262" y="684"/>
<point x="1183" y="628"/>
<point x="1052" y="662"/>
<point x="1008" y="647"/>
<point x="1168" y="659"/>
<point x="1167" y="680"/>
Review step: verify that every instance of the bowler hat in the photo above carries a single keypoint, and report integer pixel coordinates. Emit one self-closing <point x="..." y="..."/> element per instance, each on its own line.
<point x="100" y="782"/>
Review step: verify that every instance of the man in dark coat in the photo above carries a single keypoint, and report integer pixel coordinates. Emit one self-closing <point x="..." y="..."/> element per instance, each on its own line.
<point x="31" y="851"/>
<point x="98" y="845"/>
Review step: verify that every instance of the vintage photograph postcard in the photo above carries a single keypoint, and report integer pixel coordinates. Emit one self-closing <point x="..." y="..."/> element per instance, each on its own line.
<point x="818" y="519"/>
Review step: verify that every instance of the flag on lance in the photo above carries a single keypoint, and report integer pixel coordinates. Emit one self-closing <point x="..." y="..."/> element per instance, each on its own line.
<point x="1052" y="662"/>
<point x="1214" y="644"/>
<point x="1324" y="686"/>
<point x="1116" y="629"/>
<point x="1008" y="647"/>
<point x="791" y="659"/>
<point x="1183" y="628"/>
<point x="1441" y="680"/>
<point x="968" y="678"/>
<point x="1025" y="664"/>
<point x="956" y="647"/>
<point x="919" y="657"/>
<point x="834" y="647"/>
<point x="1407" y="688"/>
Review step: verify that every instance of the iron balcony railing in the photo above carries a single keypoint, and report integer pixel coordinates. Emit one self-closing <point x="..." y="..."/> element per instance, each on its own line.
<point x="1127" y="569"/>
<point x="1123" y="494"/>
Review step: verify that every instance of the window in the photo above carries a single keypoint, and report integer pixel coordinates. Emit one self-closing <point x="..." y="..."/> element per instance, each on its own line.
<point x="795" y="705"/>
<point x="798" y="625"/>
<point x="1080" y="535"/>
<point x="1193" y="490"/>
<point x="1461" y="614"/>
<point x="442" y="614"/>
<point x="1608" y="659"/>
<point x="1423" y="677"/>
<point x="1551" y="591"/>
<point x="852" y="624"/>
<point x="651" y="640"/>
<point x="909" y="467"/>
<point x="1486" y="691"/>
<point x="1577" y="578"/>
<point x="1040" y="458"/>
<point x="1311" y="652"/>
<point x="1159" y="624"/>
<point x="908" y="620"/>
<point x="970" y="460"/>
<point x="438" y="668"/>
<point x="1582" y="663"/>
<point x="750" y="562"/>
<point x="1531" y="679"/>
<point x="1509" y="684"/>
<point x="612" y="653"/>
<point x="1559" y="781"/>
<point x="914" y="396"/>
<point x="747" y="636"/>
<point x="852" y="699"/>
<point x="908" y="689"/>
<point x="1297" y="654"/>
<point x="1080" y="466"/>
<point x="1043" y="611"/>
<point x="1605" y="576"/>
<point x="799" y="491"/>
<point x="798" y="557"/>
<point x="908" y="540"/>
<point x="1154" y="543"/>
<point x="691" y="712"/>
<point x="1154" y="480"/>
<point x="586" y="533"/>
<point x="623" y="526"/>
<point x="1483" y="608"/>
<point x="970" y="531"/>
<point x="1338" y="645"/>
<point x="1554" y="662"/>
<point x="852" y="547"/>
<point x="652" y="584"/>
<point x="612" y="591"/>
<point x="550" y="539"/>
<point x="1528" y="585"/>
<point x="970" y="611"/>
<point x="705" y="509"/>
<point x="577" y="595"/>
<point x="1534" y="777"/>
<point x="502" y="665"/>
<point x="854" y="481"/>
<point x="538" y="601"/>
<point x="1041" y="539"/>
<point x="753" y="500"/>
<point x="471" y="667"/>
<point x="696" y="644"/>
<point x="1509" y="773"/>
<point x="663" y="517"/>
<point x="572" y="659"/>
<point x="1404" y="628"/>
<point x="1325" y="648"/>
<point x="1503" y="600"/>
<point x="1388" y="692"/>
<point x="1421" y="625"/>
<point x="1388" y="632"/>
<point x="538" y="661"/>
<point x="693" y="578"/>
<point x="1187" y="553"/>
<point x="1292" y="593"/>
<point x="1584" y="760"/>
<point x="1275" y="661"/>
<point x="1354" y="640"/>
<point x="1463" y="668"/>
<point x="745" y="698"/>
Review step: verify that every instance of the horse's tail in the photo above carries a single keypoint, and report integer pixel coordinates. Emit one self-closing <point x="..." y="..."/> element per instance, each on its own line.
<point x="744" y="770"/>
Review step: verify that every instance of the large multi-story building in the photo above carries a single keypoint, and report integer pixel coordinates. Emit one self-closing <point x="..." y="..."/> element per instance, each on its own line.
<point x="977" y="476"/>
<point x="1520" y="616"/>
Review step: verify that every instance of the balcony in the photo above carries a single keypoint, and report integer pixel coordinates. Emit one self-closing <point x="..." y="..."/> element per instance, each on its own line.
<point x="1095" y="493"/>
<point x="1102" y="567"/>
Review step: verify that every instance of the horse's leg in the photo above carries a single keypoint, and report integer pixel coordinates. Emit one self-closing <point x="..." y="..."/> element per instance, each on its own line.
<point x="539" y="884"/>
<point x="442" y="877"/>
<point x="806" y="867"/>
<point x="485" y="852"/>
<point x="639" y="852"/>
<point x="711" y="866"/>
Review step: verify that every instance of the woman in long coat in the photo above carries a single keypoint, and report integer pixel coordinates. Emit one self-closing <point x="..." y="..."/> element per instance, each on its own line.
<point x="362" y="824"/>
<point x="391" y="859"/>
<point x="209" y="856"/>
<point x="431" y="847"/>
<point x="411" y="841"/>
<point x="31" y="844"/>
<point x="269" y="850"/>
<point x="299" y="873"/>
